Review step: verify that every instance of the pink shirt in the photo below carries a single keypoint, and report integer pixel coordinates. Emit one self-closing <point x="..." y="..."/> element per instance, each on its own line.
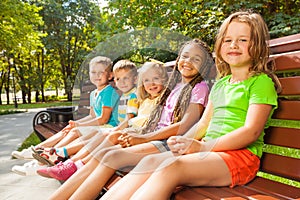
<point x="199" y="96"/>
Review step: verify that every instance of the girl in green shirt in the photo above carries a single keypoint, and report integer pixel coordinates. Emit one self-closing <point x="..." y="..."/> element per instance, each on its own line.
<point x="225" y="146"/>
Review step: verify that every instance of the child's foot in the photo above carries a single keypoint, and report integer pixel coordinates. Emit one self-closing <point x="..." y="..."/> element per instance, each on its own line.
<point x="61" y="171"/>
<point x="25" y="154"/>
<point x="28" y="168"/>
<point x="48" y="156"/>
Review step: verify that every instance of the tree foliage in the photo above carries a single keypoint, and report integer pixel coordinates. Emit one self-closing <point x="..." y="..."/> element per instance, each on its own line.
<point x="44" y="42"/>
<point x="18" y="35"/>
<point x="200" y="18"/>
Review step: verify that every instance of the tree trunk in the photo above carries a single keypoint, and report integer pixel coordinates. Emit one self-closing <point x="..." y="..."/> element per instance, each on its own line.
<point x="37" y="96"/>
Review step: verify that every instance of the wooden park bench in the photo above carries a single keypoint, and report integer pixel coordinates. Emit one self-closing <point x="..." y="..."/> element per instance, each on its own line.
<point x="50" y="121"/>
<point x="281" y="158"/>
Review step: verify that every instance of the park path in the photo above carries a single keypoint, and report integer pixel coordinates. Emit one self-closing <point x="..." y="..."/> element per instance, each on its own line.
<point x="14" y="128"/>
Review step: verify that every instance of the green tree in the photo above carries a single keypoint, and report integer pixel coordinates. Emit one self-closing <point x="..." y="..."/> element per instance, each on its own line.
<point x="17" y="34"/>
<point x="70" y="32"/>
<point x="199" y="18"/>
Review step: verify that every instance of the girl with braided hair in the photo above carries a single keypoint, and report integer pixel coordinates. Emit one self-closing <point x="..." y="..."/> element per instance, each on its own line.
<point x="180" y="106"/>
<point x="225" y="146"/>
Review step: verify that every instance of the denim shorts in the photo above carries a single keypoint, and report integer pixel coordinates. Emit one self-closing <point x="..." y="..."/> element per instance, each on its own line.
<point x="161" y="145"/>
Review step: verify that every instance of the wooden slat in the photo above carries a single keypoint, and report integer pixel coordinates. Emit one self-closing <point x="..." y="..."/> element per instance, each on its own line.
<point x="251" y="193"/>
<point x="281" y="166"/>
<point x="219" y="192"/>
<point x="287" y="110"/>
<point x="280" y="136"/>
<point x="290" y="85"/>
<point x="46" y="130"/>
<point x="87" y="86"/>
<point x="287" y="61"/>
<point x="43" y="132"/>
<point x="113" y="180"/>
<point x="260" y="188"/>
<point x="282" y="191"/>
<point x="285" y="44"/>
<point x="84" y="97"/>
<point x="187" y="194"/>
<point x="55" y="126"/>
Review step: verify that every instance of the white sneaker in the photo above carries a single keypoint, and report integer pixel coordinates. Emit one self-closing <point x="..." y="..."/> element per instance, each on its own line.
<point x="24" y="154"/>
<point x="28" y="169"/>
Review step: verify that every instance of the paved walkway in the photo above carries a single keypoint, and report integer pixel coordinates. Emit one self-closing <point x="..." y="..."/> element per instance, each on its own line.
<point x="14" y="128"/>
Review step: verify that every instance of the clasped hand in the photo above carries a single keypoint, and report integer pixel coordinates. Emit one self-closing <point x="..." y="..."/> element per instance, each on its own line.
<point x="183" y="145"/>
<point x="127" y="140"/>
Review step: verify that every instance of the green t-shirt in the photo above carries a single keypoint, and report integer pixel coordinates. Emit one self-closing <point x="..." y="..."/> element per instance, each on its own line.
<point x="231" y="102"/>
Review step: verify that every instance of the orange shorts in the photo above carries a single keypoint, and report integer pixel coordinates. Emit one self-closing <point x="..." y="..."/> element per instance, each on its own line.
<point x="242" y="164"/>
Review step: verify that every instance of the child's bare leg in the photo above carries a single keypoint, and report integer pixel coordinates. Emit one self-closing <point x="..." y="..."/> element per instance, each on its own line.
<point x="144" y="169"/>
<point x="71" y="136"/>
<point x="195" y="170"/>
<point x="89" y="147"/>
<point x="112" y="160"/>
<point x="88" y="153"/>
<point x="73" y="148"/>
<point x="86" y="137"/>
<point x="53" y="140"/>
<point x="69" y="187"/>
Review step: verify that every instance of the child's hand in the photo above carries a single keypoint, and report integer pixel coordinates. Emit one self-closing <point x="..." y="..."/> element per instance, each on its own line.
<point x="134" y="139"/>
<point x="73" y="124"/>
<point x="127" y="140"/>
<point x="183" y="145"/>
<point x="66" y="130"/>
<point x="122" y="139"/>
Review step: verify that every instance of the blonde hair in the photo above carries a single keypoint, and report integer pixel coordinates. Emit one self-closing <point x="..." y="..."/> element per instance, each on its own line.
<point x="102" y="60"/>
<point x="258" y="46"/>
<point x="125" y="64"/>
<point x="183" y="100"/>
<point x="161" y="70"/>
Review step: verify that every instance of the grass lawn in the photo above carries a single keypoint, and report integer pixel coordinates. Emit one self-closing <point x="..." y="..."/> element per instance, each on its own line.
<point x="10" y="109"/>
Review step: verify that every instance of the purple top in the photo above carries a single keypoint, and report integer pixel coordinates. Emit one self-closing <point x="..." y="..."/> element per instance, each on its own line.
<point x="199" y="96"/>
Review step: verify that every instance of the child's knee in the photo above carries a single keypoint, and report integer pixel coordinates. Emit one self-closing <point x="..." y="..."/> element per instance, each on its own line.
<point x="111" y="157"/>
<point x="74" y="133"/>
<point x="100" y="154"/>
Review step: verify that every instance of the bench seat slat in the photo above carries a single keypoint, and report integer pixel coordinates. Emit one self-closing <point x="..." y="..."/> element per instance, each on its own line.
<point x="259" y="188"/>
<point x="43" y="131"/>
<point x="46" y="130"/>
<point x="218" y="192"/>
<point x="280" y="136"/>
<point x="273" y="188"/>
<point x="283" y="166"/>
<point x="55" y="126"/>
<point x="237" y="193"/>
<point x="115" y="178"/>
<point x="187" y="193"/>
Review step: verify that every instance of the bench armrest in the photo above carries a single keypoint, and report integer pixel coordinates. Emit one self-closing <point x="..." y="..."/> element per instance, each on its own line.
<point x="60" y="114"/>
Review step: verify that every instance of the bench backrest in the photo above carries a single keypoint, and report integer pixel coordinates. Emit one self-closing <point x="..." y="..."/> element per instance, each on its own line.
<point x="285" y="125"/>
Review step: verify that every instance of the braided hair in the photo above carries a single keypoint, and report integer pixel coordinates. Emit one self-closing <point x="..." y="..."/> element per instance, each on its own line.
<point x="185" y="95"/>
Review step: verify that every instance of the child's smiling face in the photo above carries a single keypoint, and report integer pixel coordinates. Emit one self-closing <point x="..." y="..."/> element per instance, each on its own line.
<point x="125" y="80"/>
<point x="153" y="83"/>
<point x="99" y="75"/>
<point x="190" y="61"/>
<point x="234" y="49"/>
